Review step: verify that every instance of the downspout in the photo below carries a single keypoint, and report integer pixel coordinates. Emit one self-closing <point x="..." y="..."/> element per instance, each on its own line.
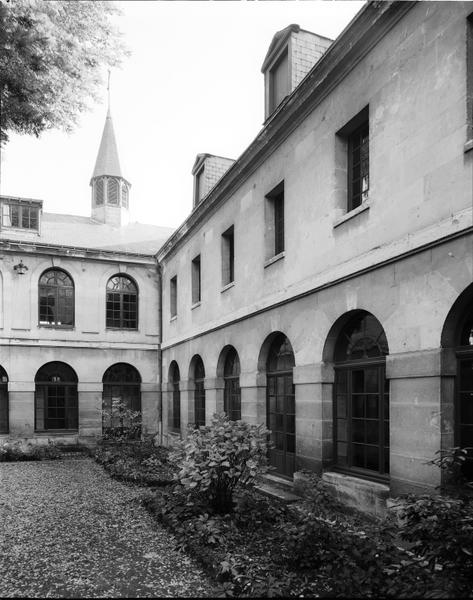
<point x="160" y="356"/>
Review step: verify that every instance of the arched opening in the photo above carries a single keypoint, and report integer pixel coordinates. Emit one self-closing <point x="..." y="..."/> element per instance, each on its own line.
<point x="112" y="190"/>
<point x="361" y="395"/>
<point x="458" y="335"/>
<point x="56" y="299"/>
<point x="121" y="402"/>
<point x="174" y="408"/>
<point x="198" y="375"/>
<point x="56" y="406"/>
<point x="281" y="405"/>
<point x="4" y="426"/>
<point x="122" y="303"/>
<point x="231" y="378"/>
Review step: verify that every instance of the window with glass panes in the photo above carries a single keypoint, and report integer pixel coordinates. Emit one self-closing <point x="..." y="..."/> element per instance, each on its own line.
<point x="175" y="407"/>
<point x="358" y="166"/>
<point x="20" y="215"/>
<point x="280" y="407"/>
<point x="56" y="299"/>
<point x="121" y="401"/>
<point x="199" y="392"/>
<point x="464" y="392"/>
<point x="3" y="401"/>
<point x="56" y="405"/>
<point x="122" y="303"/>
<point x="361" y="397"/>
<point x="232" y="392"/>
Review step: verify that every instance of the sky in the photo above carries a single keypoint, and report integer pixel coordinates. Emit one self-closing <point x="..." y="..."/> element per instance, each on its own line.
<point x="193" y="84"/>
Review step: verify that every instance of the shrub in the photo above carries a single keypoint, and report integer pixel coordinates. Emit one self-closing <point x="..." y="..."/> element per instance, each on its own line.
<point x="217" y="458"/>
<point x="121" y="423"/>
<point x="17" y="451"/>
<point x="458" y="479"/>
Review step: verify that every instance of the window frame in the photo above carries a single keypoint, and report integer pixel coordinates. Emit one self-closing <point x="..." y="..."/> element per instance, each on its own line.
<point x="173" y="297"/>
<point x="121" y="311"/>
<point x="228" y="256"/>
<point x="20" y="217"/>
<point x="196" y="280"/>
<point x="275" y="221"/>
<point x="42" y="286"/>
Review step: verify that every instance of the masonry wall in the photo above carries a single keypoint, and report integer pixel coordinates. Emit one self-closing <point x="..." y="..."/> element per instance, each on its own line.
<point x="405" y="255"/>
<point x="89" y="347"/>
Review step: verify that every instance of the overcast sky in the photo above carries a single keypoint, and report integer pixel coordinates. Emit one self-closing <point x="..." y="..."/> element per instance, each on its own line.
<point x="193" y="84"/>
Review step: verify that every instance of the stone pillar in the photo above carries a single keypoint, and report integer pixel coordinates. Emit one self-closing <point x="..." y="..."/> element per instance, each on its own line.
<point x="21" y="408"/>
<point x="421" y="417"/>
<point x="150" y="408"/>
<point x="253" y="397"/>
<point x="90" y="410"/>
<point x="213" y="397"/>
<point x="187" y="388"/>
<point x="314" y="420"/>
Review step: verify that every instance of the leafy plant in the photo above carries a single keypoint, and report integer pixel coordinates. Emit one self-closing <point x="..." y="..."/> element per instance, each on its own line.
<point x="120" y="422"/>
<point x="217" y="458"/>
<point x="18" y="451"/>
<point x="453" y="462"/>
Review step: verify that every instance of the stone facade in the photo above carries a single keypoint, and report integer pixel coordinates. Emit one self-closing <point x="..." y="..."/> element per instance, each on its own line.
<point x="404" y="255"/>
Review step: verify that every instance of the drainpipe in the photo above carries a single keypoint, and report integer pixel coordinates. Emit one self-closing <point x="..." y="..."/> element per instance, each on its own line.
<point x="160" y="356"/>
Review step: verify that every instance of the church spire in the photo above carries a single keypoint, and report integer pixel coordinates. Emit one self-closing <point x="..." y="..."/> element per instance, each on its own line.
<point x="110" y="190"/>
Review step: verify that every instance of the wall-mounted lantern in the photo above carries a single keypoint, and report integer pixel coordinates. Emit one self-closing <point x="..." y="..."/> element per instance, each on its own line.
<point x="20" y="268"/>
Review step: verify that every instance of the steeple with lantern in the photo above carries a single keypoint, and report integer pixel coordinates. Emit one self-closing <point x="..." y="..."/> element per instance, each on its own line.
<point x="110" y="190"/>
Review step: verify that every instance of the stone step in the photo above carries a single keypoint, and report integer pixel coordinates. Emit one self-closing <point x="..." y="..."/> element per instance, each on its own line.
<point x="273" y="491"/>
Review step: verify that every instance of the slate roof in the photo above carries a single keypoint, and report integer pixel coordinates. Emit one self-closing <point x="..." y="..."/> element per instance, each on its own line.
<point x="107" y="162"/>
<point x="84" y="232"/>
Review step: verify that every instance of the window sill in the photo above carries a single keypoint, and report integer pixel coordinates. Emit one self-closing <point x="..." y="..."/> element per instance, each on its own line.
<point x="227" y="287"/>
<point x="57" y="432"/>
<point x="468" y="146"/>
<point x="45" y="326"/>
<point x="121" y="329"/>
<point x="274" y="259"/>
<point x="173" y="318"/>
<point x="195" y="305"/>
<point x="353" y="213"/>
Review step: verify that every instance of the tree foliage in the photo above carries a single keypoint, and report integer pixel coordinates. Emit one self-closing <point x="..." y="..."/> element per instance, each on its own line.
<point x="53" y="57"/>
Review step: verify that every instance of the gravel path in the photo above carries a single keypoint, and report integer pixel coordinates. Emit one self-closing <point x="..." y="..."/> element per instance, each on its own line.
<point x="67" y="530"/>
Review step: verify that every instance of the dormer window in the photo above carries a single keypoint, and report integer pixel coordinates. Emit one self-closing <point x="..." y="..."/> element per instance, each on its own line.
<point x="112" y="190"/>
<point x="279" y="81"/>
<point x="199" y="188"/>
<point x="21" y="216"/>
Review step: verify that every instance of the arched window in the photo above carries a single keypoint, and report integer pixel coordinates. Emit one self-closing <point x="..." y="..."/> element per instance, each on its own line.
<point x="280" y="405"/>
<point x="56" y="398"/>
<point x="231" y="393"/>
<point x="99" y="191"/>
<point x="361" y="397"/>
<point x="3" y="401"/>
<point x="174" y="409"/>
<point x="112" y="190"/>
<point x="199" y="392"/>
<point x="56" y="299"/>
<point x="121" y="402"/>
<point x="122" y="303"/>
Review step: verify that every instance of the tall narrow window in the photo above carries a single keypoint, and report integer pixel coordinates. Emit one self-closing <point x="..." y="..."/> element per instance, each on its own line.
<point x="228" y="256"/>
<point x="232" y="393"/>
<point x="56" y="299"/>
<point x="173" y="295"/>
<point x="175" y="403"/>
<point x="275" y="221"/>
<point x="199" y="186"/>
<point x="121" y="402"/>
<point x="56" y="404"/>
<point x="124" y="195"/>
<point x="122" y="303"/>
<point x="196" y="280"/>
<point x="358" y="166"/>
<point x="99" y="191"/>
<point x="361" y="397"/>
<point x="4" y="410"/>
<point x="199" y="392"/>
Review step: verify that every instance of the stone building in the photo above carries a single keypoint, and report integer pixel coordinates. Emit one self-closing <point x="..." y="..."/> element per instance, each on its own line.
<point x="79" y="312"/>
<point x="323" y="285"/>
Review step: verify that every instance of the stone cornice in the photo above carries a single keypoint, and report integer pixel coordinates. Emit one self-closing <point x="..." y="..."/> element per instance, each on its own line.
<point x="370" y="25"/>
<point x="28" y="247"/>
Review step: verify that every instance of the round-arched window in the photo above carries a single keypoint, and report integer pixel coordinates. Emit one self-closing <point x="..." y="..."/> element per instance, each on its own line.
<point x="199" y="392"/>
<point x="3" y="401"/>
<point x="232" y="392"/>
<point x="122" y="303"/>
<point x="361" y="397"/>
<point x="121" y="402"/>
<point x="56" y="299"/>
<point x="56" y="406"/>
<point x="174" y="408"/>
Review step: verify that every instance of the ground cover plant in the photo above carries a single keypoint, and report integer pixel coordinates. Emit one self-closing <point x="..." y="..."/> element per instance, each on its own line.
<point x="18" y="451"/>
<point x="256" y="546"/>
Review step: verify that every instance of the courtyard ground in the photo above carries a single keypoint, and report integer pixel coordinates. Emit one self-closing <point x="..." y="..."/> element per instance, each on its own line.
<point x="67" y="530"/>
